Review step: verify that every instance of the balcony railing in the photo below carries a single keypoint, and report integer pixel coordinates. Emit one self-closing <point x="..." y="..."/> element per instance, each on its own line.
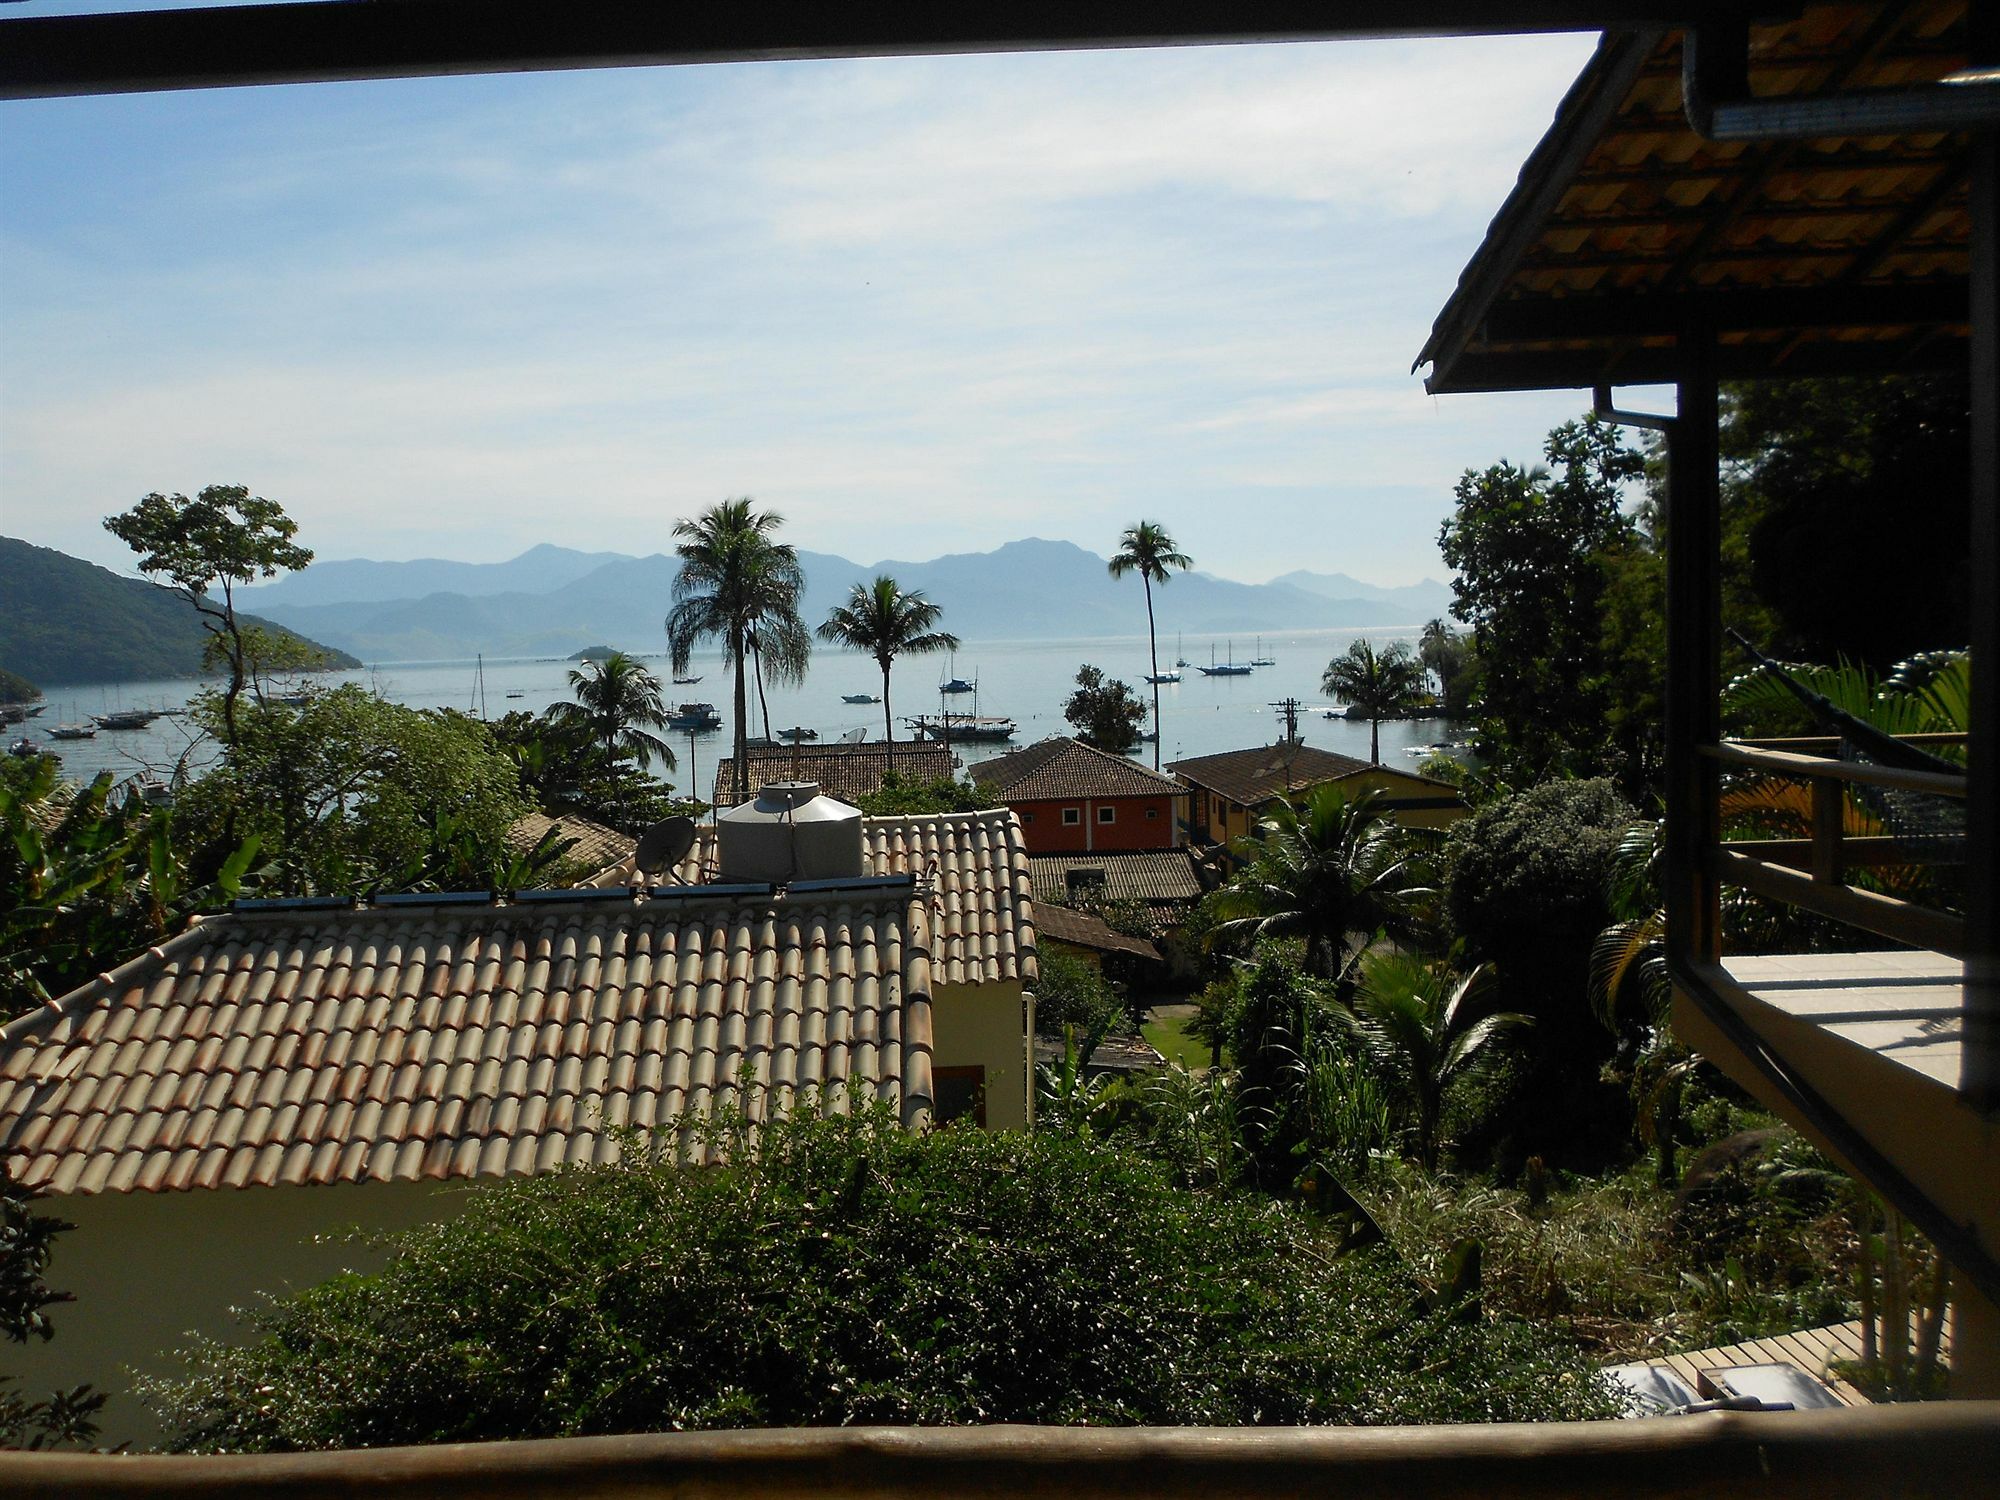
<point x="1810" y="873"/>
<point x="1942" y="1448"/>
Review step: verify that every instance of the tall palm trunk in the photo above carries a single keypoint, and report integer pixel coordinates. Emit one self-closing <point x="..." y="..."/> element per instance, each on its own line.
<point x="888" y="724"/>
<point x="741" y="780"/>
<point x="1374" y="740"/>
<point x="757" y="662"/>
<point x="1153" y="640"/>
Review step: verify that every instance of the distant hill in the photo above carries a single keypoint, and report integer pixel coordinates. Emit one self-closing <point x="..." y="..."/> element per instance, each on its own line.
<point x="68" y="620"/>
<point x="361" y="581"/>
<point x="1032" y="588"/>
<point x="1420" y="602"/>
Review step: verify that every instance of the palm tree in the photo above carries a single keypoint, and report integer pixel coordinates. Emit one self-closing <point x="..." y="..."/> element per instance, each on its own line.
<point x="1320" y="870"/>
<point x="735" y="581"/>
<point x="881" y="619"/>
<point x="1414" y="1017"/>
<point x="1381" y="684"/>
<point x="618" y="701"/>
<point x="1147" y="549"/>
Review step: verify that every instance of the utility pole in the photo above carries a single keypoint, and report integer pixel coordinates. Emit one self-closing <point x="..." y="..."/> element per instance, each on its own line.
<point x="1289" y="710"/>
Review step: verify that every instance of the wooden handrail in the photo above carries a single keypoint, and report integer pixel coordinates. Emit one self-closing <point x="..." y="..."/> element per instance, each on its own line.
<point x="1827" y="744"/>
<point x="1900" y="921"/>
<point x="1935" y="1448"/>
<point x="1818" y="767"/>
<point x="1866" y="851"/>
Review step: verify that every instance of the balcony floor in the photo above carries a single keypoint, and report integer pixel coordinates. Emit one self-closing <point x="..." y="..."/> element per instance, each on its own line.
<point x="1902" y="1005"/>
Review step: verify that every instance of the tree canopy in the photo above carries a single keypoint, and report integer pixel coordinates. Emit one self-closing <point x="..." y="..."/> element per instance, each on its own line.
<point x="222" y="538"/>
<point x="738" y="583"/>
<point x="1527" y="546"/>
<point x="1149" y="550"/>
<point x="1103" y="711"/>
<point x="884" y="620"/>
<point x="618" y="704"/>
<point x="1383" y="684"/>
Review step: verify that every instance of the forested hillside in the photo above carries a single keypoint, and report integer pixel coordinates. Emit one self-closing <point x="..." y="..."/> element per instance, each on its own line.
<point x="71" y="621"/>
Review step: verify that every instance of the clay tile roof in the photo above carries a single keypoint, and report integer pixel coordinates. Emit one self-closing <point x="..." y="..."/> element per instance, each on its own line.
<point x="325" y="1044"/>
<point x="1250" y="777"/>
<point x="1154" y="876"/>
<point x="1082" y="930"/>
<point x="1063" y="767"/>
<point x="976" y="865"/>
<point x="595" y="844"/>
<point x="843" y="771"/>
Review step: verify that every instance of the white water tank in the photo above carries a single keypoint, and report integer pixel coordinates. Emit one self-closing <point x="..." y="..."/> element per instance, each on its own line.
<point x="789" y="833"/>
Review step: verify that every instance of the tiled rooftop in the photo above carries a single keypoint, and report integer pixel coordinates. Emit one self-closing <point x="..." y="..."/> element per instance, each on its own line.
<point x="1083" y="930"/>
<point x="1153" y="876"/>
<point x="843" y="771"/>
<point x="1063" y="767"/>
<point x="976" y="865"/>
<point x="595" y="844"/>
<point x="1254" y="776"/>
<point x="446" y="1040"/>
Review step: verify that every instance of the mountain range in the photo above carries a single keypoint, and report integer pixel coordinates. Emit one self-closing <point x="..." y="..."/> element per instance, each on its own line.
<point x="551" y="601"/>
<point x="70" y="621"/>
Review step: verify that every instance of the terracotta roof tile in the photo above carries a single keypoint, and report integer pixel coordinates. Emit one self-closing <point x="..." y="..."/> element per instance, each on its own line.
<point x="364" y="1071"/>
<point x="1064" y="767"/>
<point x="596" y="845"/>
<point x="1154" y="876"/>
<point x="1080" y="928"/>
<point x="1252" y="777"/>
<point x="980" y="924"/>
<point x="843" y="771"/>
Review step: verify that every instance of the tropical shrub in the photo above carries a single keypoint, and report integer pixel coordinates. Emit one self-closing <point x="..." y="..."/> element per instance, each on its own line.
<point x="851" y="1272"/>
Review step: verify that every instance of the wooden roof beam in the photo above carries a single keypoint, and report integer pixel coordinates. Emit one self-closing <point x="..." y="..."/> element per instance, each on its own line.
<point x="1666" y="314"/>
<point x="318" y="41"/>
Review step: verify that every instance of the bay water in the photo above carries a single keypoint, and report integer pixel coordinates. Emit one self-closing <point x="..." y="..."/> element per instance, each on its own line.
<point x="1026" y="680"/>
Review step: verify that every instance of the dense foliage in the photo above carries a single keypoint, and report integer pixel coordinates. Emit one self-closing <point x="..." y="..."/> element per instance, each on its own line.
<point x="15" y="688"/>
<point x="350" y="791"/>
<point x="851" y="1272"/>
<point x="1383" y="684"/>
<point x="903" y="794"/>
<point x="88" y="877"/>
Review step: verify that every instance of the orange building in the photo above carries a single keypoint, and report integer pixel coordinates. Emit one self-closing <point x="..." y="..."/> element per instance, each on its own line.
<point x="1073" y="799"/>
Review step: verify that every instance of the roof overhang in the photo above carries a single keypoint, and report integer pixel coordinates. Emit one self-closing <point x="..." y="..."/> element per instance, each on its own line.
<point x="1628" y="233"/>
<point x="316" y="41"/>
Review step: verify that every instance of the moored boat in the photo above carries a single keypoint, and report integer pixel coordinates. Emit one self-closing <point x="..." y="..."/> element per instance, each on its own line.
<point x="1230" y="668"/>
<point x="963" y="727"/>
<point x="795" y="736"/>
<point x="24" y="747"/>
<point x="73" y="732"/>
<point x="126" y="718"/>
<point x="859" y="698"/>
<point x="957" y="685"/>
<point x="1159" y="677"/>
<point x="694" y="716"/>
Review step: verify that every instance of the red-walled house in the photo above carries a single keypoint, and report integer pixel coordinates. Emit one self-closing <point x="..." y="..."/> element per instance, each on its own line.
<point x="1074" y="799"/>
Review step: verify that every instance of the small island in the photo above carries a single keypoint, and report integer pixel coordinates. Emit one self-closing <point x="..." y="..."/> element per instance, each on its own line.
<point x="593" y="653"/>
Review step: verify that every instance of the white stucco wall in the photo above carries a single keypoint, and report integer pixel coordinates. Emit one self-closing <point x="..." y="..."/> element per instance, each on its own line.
<point x="149" y="1268"/>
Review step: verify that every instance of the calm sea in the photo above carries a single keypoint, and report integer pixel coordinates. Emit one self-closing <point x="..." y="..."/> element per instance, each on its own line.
<point x="1025" y="680"/>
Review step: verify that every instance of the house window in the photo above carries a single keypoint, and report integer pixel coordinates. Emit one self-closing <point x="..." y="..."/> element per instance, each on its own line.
<point x="1027" y="817"/>
<point x="1072" y="816"/>
<point x="960" y="1094"/>
<point x="1152" y="812"/>
<point x="1107" y="815"/>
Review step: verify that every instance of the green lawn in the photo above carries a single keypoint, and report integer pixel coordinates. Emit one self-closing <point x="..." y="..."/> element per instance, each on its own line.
<point x="1171" y="1040"/>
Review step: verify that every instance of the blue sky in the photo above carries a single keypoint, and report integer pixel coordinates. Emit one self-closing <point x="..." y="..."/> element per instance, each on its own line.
<point x="917" y="305"/>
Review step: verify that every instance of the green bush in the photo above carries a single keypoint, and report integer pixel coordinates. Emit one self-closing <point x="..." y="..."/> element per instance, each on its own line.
<point x="1072" y="994"/>
<point x="852" y="1272"/>
<point x="903" y="795"/>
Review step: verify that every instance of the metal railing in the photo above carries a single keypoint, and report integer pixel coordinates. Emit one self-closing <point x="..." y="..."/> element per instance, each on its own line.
<point x="1938" y="1448"/>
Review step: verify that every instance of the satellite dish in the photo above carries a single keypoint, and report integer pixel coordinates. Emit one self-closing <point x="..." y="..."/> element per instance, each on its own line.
<point x="854" y="736"/>
<point x="664" y="845"/>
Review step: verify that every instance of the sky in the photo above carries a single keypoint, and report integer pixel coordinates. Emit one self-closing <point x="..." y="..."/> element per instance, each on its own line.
<point x="915" y="305"/>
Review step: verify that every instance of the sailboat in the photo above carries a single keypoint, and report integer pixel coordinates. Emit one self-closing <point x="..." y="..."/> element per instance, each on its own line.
<point x="1260" y="659"/>
<point x="1230" y="668"/>
<point x="1180" y="655"/>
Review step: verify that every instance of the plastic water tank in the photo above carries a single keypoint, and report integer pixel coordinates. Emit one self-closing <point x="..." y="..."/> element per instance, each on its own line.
<point x="790" y="833"/>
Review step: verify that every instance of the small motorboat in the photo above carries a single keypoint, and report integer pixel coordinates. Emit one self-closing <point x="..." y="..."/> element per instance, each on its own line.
<point x="1160" y="677"/>
<point x="24" y="748"/>
<point x="694" y="716"/>
<point x="798" y="736"/>
<point x="957" y="685"/>
<point x="686" y="681"/>
<point x="517" y="693"/>
<point x="859" y="698"/>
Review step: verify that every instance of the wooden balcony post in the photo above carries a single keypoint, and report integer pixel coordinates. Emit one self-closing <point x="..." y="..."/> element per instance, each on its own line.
<point x="1980" y="1079"/>
<point x="1829" y="812"/>
<point x="1694" y="656"/>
